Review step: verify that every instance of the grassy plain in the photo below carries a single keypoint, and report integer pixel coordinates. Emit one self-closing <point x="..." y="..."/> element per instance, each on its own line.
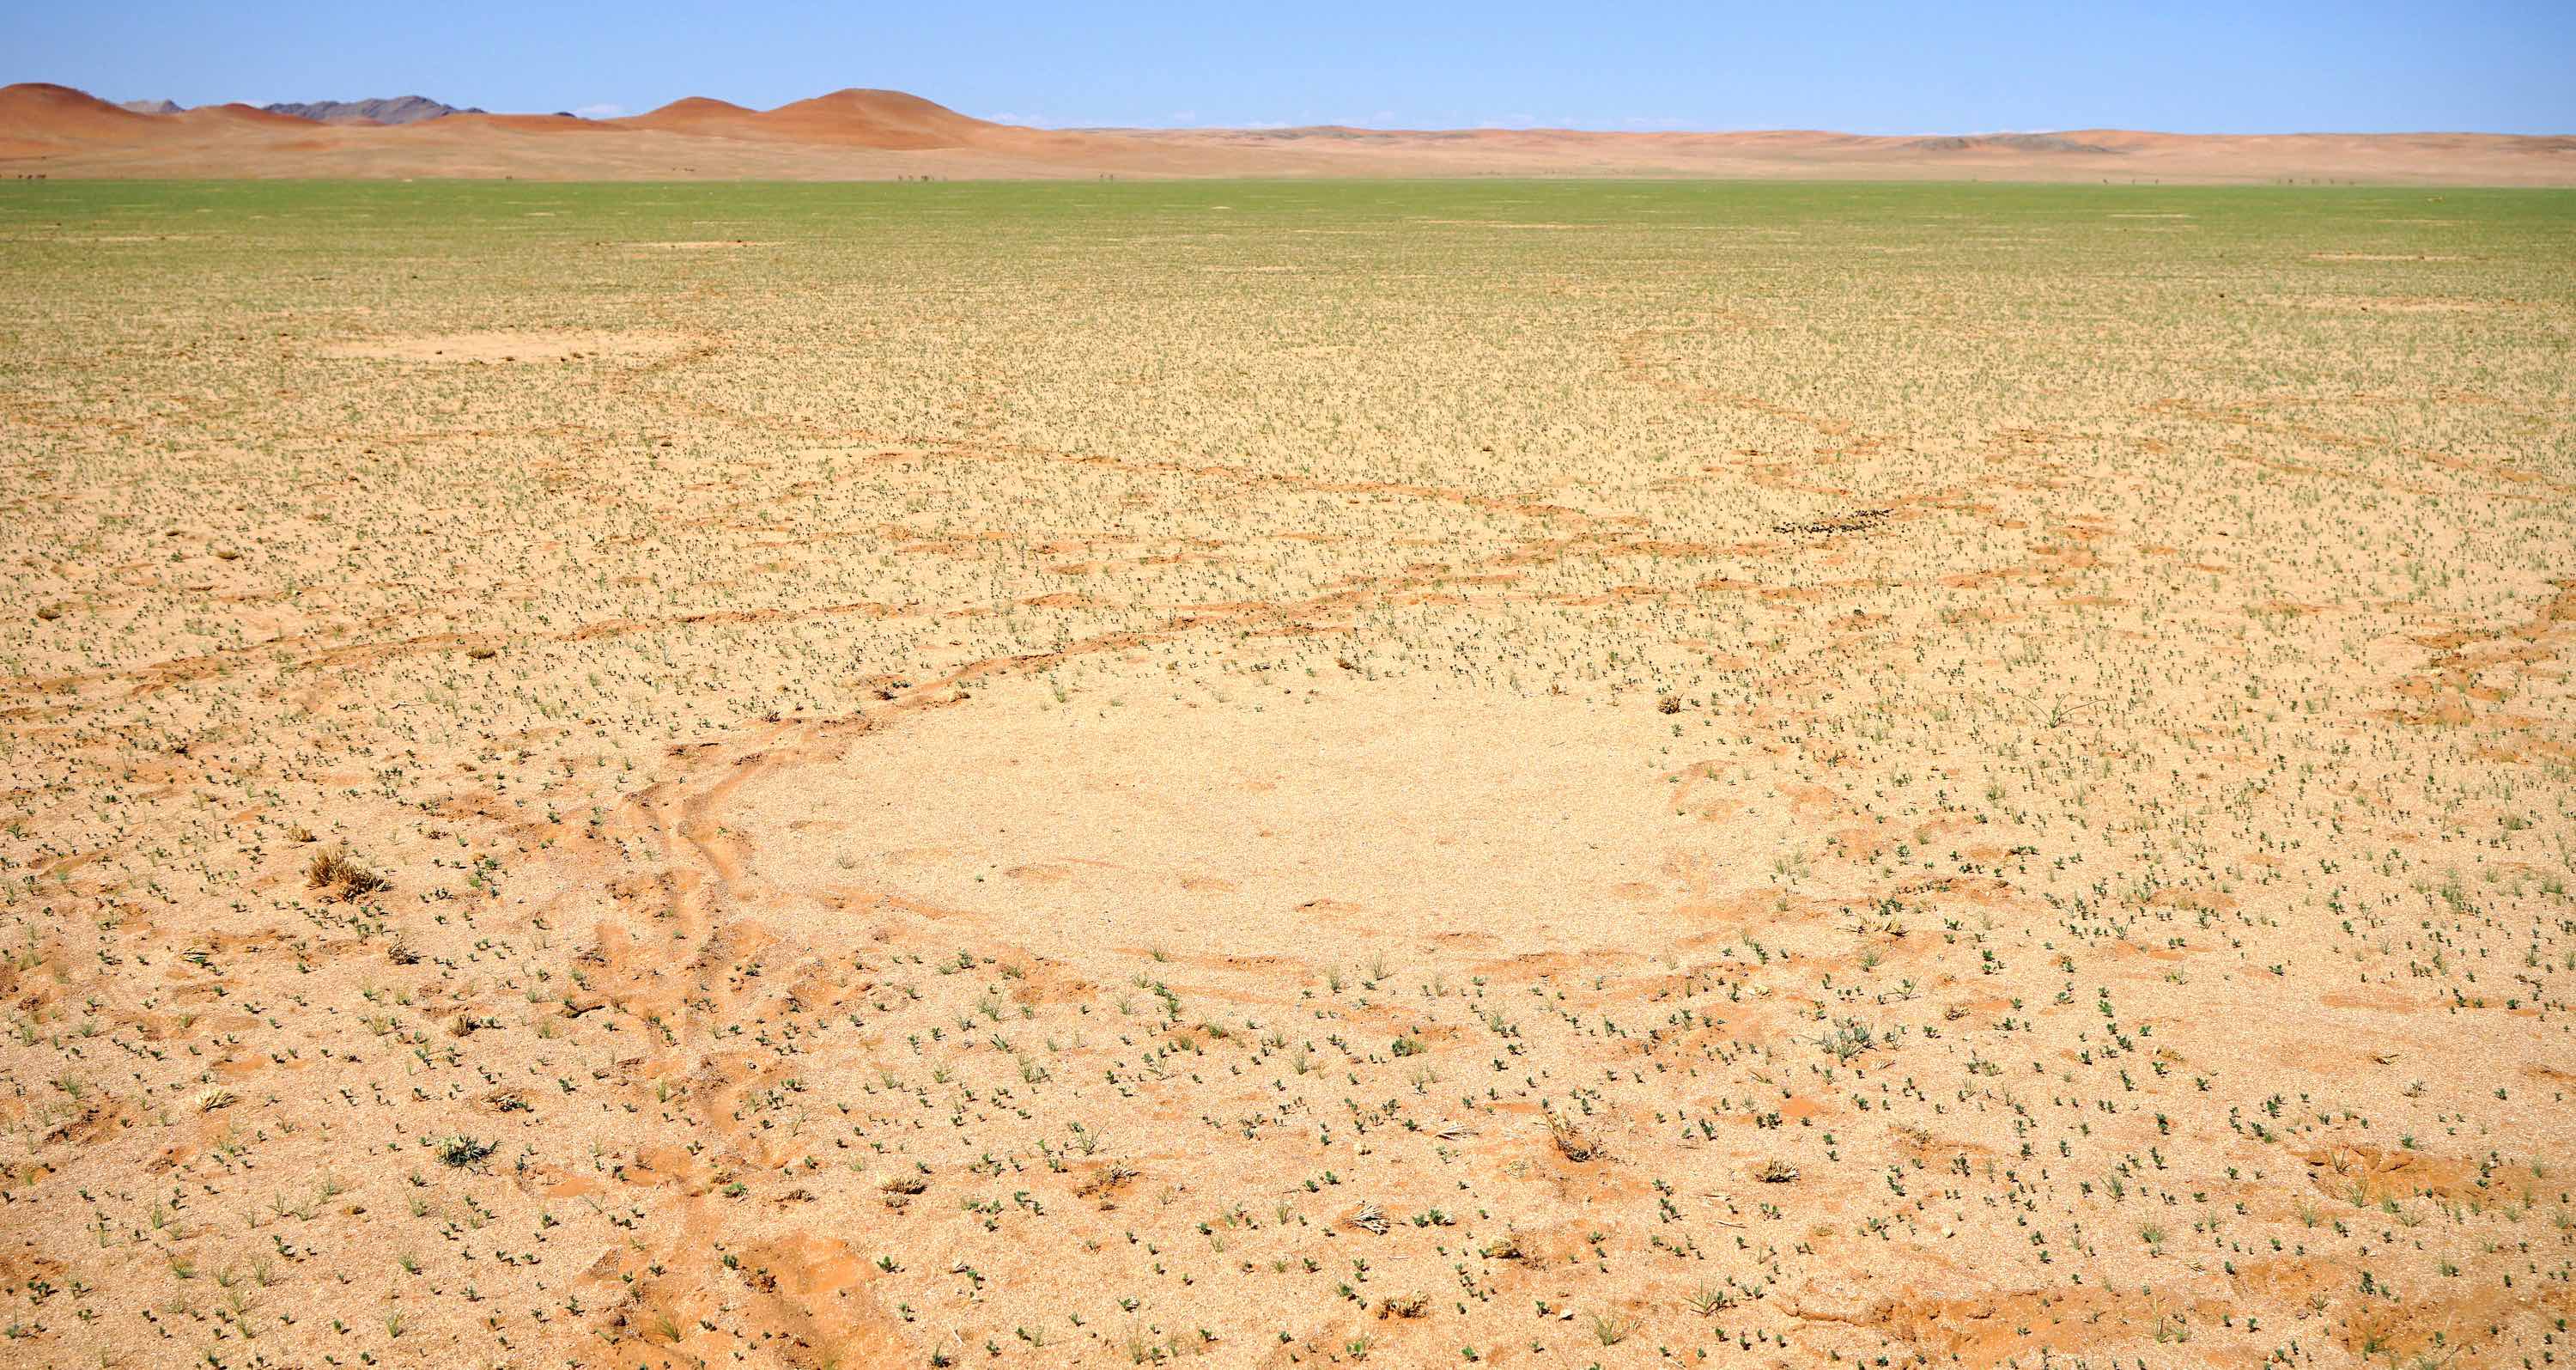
<point x="1286" y="774"/>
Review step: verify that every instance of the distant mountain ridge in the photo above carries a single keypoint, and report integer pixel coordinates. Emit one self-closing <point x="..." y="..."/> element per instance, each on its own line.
<point x="864" y="134"/>
<point x="153" y="106"/>
<point x="399" y="109"/>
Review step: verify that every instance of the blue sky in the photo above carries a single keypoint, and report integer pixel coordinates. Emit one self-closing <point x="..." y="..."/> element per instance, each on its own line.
<point x="1868" y="68"/>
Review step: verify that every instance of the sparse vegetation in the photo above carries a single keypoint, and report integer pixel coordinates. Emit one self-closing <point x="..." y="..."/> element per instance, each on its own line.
<point x="1388" y="773"/>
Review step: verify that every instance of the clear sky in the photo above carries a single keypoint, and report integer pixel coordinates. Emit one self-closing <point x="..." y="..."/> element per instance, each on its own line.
<point x="2504" y="66"/>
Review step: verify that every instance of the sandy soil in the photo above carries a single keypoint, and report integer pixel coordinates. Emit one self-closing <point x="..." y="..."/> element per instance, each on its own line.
<point x="870" y="135"/>
<point x="1105" y="782"/>
<point x="527" y="345"/>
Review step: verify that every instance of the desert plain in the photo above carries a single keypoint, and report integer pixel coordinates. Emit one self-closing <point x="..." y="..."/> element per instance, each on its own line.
<point x="1274" y="774"/>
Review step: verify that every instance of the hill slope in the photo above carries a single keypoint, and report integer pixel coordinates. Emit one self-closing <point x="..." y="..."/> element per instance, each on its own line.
<point x="400" y="109"/>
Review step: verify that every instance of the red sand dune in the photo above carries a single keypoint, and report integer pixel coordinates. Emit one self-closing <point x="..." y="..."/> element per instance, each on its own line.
<point x="37" y="110"/>
<point x="254" y="116"/>
<point x="856" y="118"/>
<point x="874" y="118"/>
<point x="453" y="124"/>
<point x="37" y="118"/>
<point x="695" y="114"/>
<point x="868" y="134"/>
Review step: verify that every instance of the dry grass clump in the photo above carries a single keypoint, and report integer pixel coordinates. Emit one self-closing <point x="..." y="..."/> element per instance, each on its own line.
<point x="1572" y="1140"/>
<point x="342" y="876"/>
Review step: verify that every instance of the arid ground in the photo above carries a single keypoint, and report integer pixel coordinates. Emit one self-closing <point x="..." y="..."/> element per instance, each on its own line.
<point x="1499" y="773"/>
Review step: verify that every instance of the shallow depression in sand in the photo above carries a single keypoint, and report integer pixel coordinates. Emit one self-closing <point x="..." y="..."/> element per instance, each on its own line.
<point x="1405" y="812"/>
<point x="2392" y="304"/>
<point x="500" y="346"/>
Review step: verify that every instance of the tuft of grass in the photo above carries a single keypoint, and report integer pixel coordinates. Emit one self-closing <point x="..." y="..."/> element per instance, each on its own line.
<point x="341" y="876"/>
<point x="461" y="1152"/>
<point x="1573" y="1141"/>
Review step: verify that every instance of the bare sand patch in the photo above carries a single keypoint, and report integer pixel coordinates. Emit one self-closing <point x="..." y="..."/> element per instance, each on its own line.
<point x="1508" y="224"/>
<point x="501" y="346"/>
<point x="2384" y="257"/>
<point x="2390" y="304"/>
<point x="1391" y="801"/>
